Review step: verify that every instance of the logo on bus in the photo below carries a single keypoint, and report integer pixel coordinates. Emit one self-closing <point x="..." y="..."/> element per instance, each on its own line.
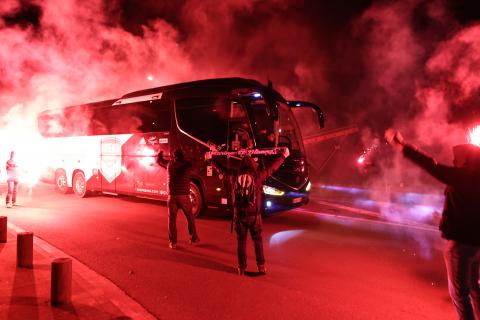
<point x="111" y="163"/>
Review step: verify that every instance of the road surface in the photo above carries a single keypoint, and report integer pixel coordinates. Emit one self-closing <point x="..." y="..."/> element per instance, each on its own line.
<point x="323" y="262"/>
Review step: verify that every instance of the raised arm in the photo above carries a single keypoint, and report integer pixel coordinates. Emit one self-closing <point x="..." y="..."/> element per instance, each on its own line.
<point x="218" y="166"/>
<point x="446" y="174"/>
<point x="161" y="161"/>
<point x="270" y="169"/>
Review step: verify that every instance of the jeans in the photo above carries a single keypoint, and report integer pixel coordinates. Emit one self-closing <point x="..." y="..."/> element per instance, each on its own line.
<point x="183" y="202"/>
<point x="462" y="262"/>
<point x="12" y="189"/>
<point x="242" y="227"/>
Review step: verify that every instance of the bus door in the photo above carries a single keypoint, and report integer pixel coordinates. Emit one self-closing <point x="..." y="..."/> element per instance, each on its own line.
<point x="150" y="179"/>
<point x="239" y="131"/>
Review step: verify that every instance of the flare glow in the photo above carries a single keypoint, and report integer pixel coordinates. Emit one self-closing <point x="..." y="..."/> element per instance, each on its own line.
<point x="474" y="136"/>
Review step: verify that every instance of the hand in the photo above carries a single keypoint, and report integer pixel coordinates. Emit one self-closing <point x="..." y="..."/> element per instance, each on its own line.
<point x="394" y="138"/>
<point x="285" y="152"/>
<point x="208" y="155"/>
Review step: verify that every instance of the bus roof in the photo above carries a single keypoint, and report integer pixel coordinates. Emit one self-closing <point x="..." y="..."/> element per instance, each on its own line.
<point x="217" y="82"/>
<point x="227" y="83"/>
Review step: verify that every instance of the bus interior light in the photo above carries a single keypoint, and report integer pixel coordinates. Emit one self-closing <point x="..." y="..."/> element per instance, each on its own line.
<point x="269" y="204"/>
<point x="272" y="191"/>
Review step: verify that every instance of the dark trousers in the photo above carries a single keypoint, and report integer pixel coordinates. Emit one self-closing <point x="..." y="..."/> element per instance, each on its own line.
<point x="12" y="189"/>
<point x="242" y="227"/>
<point x="183" y="202"/>
<point x="462" y="262"/>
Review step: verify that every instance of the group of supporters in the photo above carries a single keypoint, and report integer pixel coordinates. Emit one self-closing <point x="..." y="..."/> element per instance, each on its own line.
<point x="244" y="189"/>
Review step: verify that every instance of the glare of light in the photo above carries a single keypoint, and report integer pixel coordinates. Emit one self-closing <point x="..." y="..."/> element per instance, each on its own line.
<point x="269" y="204"/>
<point x="147" y="156"/>
<point x="280" y="130"/>
<point x="150" y="78"/>
<point x="284" y="236"/>
<point x="272" y="191"/>
<point x="474" y="136"/>
<point x="361" y="159"/>
<point x="219" y="189"/>
<point x="19" y="133"/>
<point x="309" y="186"/>
<point x="257" y="95"/>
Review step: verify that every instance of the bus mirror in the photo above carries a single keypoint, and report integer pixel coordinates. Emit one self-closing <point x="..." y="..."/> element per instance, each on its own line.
<point x="318" y="111"/>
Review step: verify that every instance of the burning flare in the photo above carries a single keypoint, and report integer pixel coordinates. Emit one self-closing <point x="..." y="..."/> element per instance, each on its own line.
<point x="474" y="136"/>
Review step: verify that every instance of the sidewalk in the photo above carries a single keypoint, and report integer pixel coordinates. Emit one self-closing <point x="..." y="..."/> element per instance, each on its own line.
<point x="25" y="293"/>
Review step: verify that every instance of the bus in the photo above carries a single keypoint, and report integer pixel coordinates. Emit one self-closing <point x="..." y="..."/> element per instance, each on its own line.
<point x="111" y="146"/>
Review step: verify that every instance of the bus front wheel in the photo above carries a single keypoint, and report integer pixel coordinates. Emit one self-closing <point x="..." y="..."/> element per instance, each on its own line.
<point x="196" y="198"/>
<point x="61" y="182"/>
<point x="79" y="184"/>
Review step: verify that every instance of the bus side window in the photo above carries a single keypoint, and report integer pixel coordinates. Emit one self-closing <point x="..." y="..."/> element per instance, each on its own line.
<point x="145" y="116"/>
<point x="205" y="118"/>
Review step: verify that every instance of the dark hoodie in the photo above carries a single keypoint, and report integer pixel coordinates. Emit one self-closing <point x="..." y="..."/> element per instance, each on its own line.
<point x="178" y="177"/>
<point x="259" y="172"/>
<point x="461" y="212"/>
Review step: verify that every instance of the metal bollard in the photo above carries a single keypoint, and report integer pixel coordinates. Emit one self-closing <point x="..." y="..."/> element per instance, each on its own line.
<point x="25" y="249"/>
<point x="61" y="286"/>
<point x="3" y="229"/>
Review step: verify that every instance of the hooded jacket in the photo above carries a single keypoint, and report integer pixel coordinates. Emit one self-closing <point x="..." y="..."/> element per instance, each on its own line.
<point x="259" y="172"/>
<point x="461" y="212"/>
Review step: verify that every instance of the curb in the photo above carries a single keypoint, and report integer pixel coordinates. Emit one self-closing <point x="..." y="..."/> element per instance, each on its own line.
<point x="100" y="286"/>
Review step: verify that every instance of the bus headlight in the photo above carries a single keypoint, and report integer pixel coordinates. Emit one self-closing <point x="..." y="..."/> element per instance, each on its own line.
<point x="309" y="186"/>
<point x="272" y="191"/>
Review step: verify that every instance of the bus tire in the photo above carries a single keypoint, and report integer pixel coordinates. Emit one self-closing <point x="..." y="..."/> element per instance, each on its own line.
<point x="79" y="184"/>
<point x="61" y="182"/>
<point x="196" y="197"/>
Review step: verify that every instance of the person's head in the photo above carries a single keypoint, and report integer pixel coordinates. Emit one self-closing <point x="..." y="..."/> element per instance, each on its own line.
<point x="466" y="155"/>
<point x="247" y="164"/>
<point x="178" y="154"/>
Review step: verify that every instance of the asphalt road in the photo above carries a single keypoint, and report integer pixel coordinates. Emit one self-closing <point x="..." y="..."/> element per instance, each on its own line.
<point x="322" y="263"/>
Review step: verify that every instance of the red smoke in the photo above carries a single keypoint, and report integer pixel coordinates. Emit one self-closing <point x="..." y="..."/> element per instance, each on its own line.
<point x="378" y="67"/>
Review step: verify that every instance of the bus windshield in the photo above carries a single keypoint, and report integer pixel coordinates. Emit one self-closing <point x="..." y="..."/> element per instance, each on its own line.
<point x="262" y="124"/>
<point x="288" y="130"/>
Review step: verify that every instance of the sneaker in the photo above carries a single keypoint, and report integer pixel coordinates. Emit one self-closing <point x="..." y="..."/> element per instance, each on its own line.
<point x="9" y="205"/>
<point x="172" y="245"/>
<point x="194" y="240"/>
<point x="240" y="271"/>
<point x="261" y="269"/>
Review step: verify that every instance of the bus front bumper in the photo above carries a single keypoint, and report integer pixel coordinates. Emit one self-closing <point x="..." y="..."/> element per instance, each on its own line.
<point x="287" y="201"/>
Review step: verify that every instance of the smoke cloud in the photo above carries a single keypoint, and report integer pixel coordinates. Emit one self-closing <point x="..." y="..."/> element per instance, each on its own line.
<point x="409" y="64"/>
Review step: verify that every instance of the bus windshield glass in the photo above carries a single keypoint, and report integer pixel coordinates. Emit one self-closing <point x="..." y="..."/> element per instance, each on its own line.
<point x="262" y="124"/>
<point x="288" y="130"/>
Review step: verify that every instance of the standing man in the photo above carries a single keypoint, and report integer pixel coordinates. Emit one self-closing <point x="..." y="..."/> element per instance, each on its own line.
<point x="246" y="185"/>
<point x="460" y="224"/>
<point x="178" y="178"/>
<point x="12" y="181"/>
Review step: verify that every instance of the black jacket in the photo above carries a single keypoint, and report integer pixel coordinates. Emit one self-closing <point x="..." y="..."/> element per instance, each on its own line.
<point x="261" y="174"/>
<point x="461" y="212"/>
<point x="178" y="175"/>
